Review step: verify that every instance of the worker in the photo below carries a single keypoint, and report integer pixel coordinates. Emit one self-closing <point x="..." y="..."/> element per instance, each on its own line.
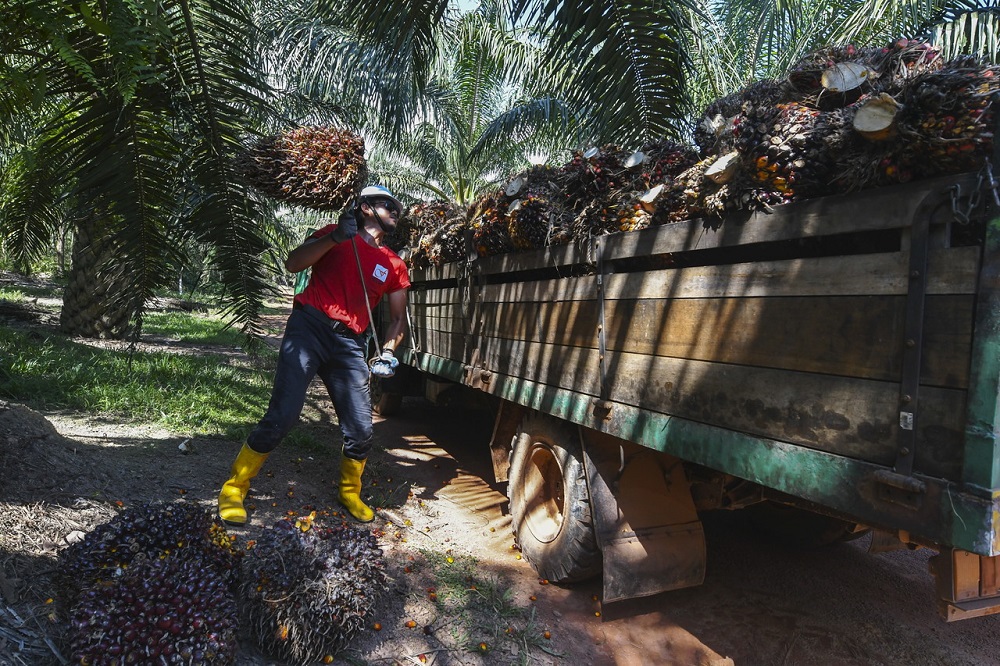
<point x="327" y="334"/>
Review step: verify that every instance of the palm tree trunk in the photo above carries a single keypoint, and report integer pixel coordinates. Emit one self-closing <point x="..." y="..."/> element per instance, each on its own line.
<point x="97" y="303"/>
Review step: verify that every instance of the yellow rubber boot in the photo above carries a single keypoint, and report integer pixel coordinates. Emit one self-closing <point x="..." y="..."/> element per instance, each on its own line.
<point x="350" y="489"/>
<point x="234" y="491"/>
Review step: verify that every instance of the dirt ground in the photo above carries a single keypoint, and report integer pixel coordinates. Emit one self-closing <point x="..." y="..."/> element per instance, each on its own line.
<point x="761" y="604"/>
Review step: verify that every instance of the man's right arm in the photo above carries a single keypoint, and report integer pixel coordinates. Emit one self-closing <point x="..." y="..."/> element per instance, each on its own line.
<point x="309" y="253"/>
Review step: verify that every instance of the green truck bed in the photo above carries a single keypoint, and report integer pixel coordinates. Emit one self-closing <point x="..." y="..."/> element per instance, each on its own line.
<point x="842" y="351"/>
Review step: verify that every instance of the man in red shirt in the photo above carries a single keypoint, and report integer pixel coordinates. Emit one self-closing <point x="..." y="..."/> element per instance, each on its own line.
<point x="327" y="334"/>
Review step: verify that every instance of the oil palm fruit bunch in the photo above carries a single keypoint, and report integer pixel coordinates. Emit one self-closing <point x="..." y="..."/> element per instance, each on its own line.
<point x="447" y="244"/>
<point x="904" y="59"/>
<point x="533" y="207"/>
<point x="783" y="149"/>
<point x="684" y="199"/>
<point x="717" y="130"/>
<point x="438" y="231"/>
<point x="632" y="215"/>
<point x="159" y="611"/>
<point x="406" y="234"/>
<point x="429" y="219"/>
<point x="148" y="531"/>
<point x="949" y="116"/>
<point x="806" y="77"/>
<point x="665" y="160"/>
<point x="488" y="222"/>
<point x="318" y="167"/>
<point x="308" y="588"/>
<point x="528" y="222"/>
<point x="591" y="173"/>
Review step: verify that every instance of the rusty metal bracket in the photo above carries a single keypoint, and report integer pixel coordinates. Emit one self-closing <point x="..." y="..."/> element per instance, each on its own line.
<point x="601" y="339"/>
<point x="901" y="489"/>
<point x="913" y="330"/>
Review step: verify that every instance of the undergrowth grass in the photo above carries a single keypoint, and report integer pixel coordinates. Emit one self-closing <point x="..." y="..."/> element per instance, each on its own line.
<point x="188" y="327"/>
<point x="199" y="394"/>
<point x="23" y="293"/>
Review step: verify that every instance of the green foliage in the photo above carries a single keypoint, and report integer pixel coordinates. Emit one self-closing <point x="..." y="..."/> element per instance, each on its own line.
<point x="142" y="106"/>
<point x="203" y="394"/>
<point x="187" y="327"/>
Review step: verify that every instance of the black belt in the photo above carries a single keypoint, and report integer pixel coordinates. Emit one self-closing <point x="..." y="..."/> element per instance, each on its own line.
<point x="338" y="327"/>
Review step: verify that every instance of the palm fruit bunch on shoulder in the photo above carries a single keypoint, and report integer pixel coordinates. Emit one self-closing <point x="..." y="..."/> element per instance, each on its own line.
<point x="948" y="117"/>
<point x="160" y="611"/>
<point x="309" y="588"/>
<point x="533" y="208"/>
<point x="487" y="220"/>
<point x="318" y="167"/>
<point x="783" y="149"/>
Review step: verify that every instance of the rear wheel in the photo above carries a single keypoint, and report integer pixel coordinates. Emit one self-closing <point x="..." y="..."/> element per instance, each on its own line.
<point x="550" y="503"/>
<point x="384" y="403"/>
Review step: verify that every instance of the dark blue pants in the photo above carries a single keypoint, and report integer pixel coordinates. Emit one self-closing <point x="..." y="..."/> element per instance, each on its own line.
<point x="313" y="344"/>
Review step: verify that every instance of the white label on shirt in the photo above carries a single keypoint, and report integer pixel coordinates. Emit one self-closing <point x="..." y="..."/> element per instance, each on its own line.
<point x="381" y="272"/>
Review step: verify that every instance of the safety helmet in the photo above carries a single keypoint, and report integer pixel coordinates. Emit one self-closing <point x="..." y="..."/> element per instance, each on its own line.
<point x="373" y="193"/>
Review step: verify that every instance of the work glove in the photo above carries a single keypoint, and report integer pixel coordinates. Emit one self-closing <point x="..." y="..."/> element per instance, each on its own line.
<point x="385" y="365"/>
<point x="347" y="224"/>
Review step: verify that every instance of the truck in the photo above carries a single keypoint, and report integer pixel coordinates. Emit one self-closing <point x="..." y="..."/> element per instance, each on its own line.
<point x="830" y="365"/>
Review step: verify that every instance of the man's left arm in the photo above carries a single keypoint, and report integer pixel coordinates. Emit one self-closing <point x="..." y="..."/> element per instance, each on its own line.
<point x="396" y="330"/>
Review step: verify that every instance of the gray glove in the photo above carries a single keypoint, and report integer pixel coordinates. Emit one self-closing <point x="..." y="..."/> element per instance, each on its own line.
<point x="385" y="365"/>
<point x="347" y="224"/>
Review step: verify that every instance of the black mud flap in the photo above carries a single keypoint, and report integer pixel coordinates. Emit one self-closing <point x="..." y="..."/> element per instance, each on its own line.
<point x="646" y="523"/>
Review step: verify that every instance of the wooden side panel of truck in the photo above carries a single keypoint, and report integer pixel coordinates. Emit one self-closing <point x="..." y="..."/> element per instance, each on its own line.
<point x="841" y="353"/>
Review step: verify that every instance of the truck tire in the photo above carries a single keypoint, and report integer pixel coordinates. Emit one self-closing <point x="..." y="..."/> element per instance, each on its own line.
<point x="384" y="403"/>
<point x="550" y="503"/>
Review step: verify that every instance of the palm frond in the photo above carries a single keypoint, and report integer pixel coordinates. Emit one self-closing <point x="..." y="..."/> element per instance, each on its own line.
<point x="621" y="62"/>
<point x="975" y="33"/>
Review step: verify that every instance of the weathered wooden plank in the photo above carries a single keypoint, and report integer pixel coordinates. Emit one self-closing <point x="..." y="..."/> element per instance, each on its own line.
<point x="454" y="346"/>
<point x="951" y="514"/>
<point x="850" y="336"/>
<point x="869" y="210"/>
<point x="852" y="417"/>
<point x="440" y="296"/>
<point x="950" y="271"/>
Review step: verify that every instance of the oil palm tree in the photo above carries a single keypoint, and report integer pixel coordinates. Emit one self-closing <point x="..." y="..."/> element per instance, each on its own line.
<point x="133" y="112"/>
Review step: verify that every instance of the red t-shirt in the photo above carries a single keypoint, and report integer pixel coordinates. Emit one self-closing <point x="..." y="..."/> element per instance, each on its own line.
<point x="335" y="286"/>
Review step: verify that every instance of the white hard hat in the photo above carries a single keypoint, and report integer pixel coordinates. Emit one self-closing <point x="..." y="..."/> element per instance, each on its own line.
<point x="375" y="192"/>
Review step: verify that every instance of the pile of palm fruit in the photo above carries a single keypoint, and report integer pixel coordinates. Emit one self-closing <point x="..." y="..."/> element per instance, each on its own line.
<point x="439" y="228"/>
<point x="844" y="119"/>
<point x="153" y="585"/>
<point x="317" y="167"/>
<point x="308" y="588"/>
